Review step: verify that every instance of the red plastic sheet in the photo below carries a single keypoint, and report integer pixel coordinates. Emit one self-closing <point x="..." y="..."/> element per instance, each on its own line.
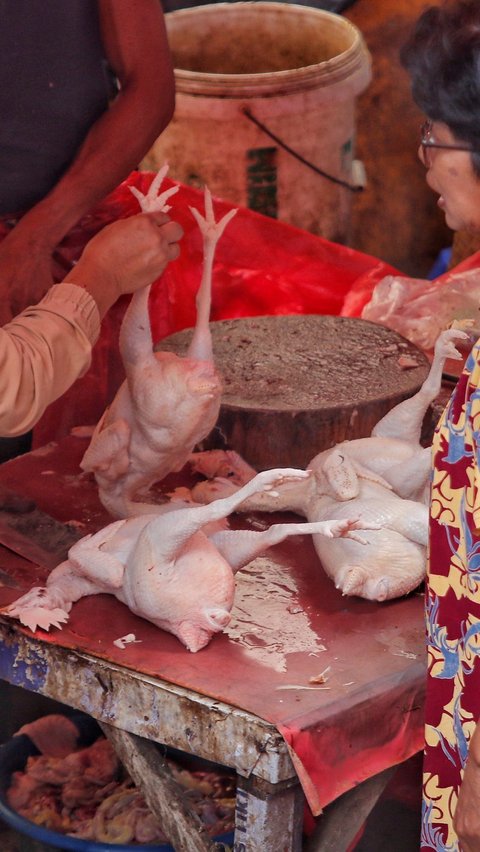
<point x="262" y="267"/>
<point x="361" y="290"/>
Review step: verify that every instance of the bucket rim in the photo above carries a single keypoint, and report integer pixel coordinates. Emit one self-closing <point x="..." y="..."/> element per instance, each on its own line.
<point x="352" y="64"/>
<point x="282" y="6"/>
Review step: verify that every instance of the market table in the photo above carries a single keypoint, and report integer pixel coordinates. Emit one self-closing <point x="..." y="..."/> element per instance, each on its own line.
<point x="305" y="691"/>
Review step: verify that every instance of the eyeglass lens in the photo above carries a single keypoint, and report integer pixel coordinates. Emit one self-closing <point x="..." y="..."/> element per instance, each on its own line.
<point x="427" y="140"/>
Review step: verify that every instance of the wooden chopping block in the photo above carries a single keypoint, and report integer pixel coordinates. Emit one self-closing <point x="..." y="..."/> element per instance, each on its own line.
<point x="296" y="385"/>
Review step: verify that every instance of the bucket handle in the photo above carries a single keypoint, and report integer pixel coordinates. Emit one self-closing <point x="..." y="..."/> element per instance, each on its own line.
<point x="353" y="187"/>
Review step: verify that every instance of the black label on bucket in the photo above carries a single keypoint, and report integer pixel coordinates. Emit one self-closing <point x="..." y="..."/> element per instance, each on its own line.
<point x="262" y="181"/>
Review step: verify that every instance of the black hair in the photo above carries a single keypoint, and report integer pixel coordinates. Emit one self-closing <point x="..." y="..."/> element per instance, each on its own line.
<point x="442" y="56"/>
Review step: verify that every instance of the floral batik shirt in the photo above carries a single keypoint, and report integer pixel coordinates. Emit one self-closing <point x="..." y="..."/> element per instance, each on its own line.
<point x="452" y="608"/>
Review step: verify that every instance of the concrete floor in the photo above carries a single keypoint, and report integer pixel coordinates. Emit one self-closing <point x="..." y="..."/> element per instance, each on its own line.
<point x="381" y="836"/>
<point x="393" y="828"/>
<point x="394" y="824"/>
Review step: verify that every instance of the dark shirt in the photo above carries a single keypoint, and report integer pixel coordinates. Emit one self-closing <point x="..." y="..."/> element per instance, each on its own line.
<point x="54" y="86"/>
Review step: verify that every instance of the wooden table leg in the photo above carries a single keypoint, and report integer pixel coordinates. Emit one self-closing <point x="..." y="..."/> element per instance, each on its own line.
<point x="341" y="820"/>
<point x="268" y="817"/>
<point x="150" y="772"/>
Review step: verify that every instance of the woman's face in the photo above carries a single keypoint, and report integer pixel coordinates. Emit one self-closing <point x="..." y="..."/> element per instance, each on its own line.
<point x="450" y="174"/>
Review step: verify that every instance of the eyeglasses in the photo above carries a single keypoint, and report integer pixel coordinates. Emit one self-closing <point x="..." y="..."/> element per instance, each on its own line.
<point x="427" y="141"/>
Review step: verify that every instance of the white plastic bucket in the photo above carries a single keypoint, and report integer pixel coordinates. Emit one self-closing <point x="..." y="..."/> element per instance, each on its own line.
<point x="297" y="70"/>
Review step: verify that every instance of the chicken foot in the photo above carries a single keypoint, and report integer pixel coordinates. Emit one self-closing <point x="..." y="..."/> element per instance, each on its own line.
<point x="239" y="547"/>
<point x="404" y="421"/>
<point x="201" y="344"/>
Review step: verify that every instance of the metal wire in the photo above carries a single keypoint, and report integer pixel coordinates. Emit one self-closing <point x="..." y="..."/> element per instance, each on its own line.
<point x="316" y="169"/>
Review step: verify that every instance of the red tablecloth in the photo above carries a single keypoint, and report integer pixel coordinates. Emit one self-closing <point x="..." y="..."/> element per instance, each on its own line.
<point x="290" y="624"/>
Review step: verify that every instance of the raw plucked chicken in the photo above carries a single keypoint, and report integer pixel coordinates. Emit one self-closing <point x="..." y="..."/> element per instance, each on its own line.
<point x="167" y="404"/>
<point x="383" y="480"/>
<point x="165" y="568"/>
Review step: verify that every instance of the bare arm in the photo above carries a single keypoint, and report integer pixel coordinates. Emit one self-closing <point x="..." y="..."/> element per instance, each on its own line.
<point x="135" y="41"/>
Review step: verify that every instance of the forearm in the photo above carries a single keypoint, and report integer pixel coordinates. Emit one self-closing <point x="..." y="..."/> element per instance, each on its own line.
<point x="135" y="43"/>
<point x="99" y="286"/>
<point x="42" y="352"/>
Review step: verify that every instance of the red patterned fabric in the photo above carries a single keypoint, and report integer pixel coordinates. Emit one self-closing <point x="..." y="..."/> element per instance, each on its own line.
<point x="453" y="608"/>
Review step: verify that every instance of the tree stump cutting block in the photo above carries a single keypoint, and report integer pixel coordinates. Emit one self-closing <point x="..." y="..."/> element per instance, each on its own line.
<point x="296" y="385"/>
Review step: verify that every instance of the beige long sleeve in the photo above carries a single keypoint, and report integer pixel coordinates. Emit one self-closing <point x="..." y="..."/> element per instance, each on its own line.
<point x="42" y="352"/>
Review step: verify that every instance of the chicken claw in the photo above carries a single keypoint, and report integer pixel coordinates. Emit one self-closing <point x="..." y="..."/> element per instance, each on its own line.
<point x="445" y="343"/>
<point x="207" y="224"/>
<point x="152" y="202"/>
<point x="346" y="527"/>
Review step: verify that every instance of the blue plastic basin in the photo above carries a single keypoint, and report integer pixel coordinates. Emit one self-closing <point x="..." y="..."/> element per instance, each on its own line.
<point x="13" y="757"/>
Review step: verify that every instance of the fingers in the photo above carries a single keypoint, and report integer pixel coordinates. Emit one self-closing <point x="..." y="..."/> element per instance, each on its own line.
<point x="172" y="233"/>
<point x="173" y="251"/>
<point x="156" y="218"/>
<point x="169" y="231"/>
<point x="159" y="222"/>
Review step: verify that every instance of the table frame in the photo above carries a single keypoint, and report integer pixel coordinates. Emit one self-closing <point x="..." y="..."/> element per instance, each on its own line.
<point x="269" y="806"/>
